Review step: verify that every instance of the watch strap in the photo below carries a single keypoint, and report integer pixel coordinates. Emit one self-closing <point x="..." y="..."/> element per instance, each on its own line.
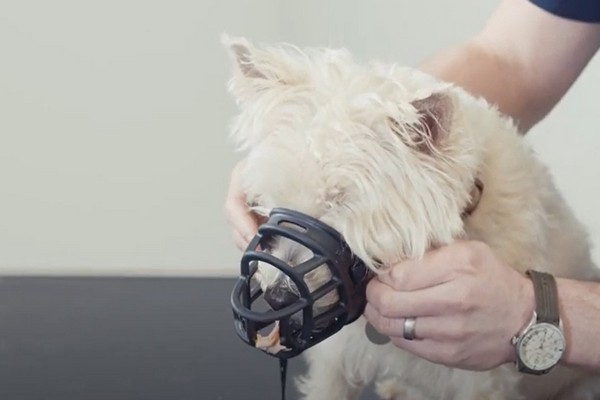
<point x="546" y="297"/>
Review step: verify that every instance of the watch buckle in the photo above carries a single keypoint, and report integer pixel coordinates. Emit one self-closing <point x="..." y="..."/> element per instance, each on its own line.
<point x="515" y="339"/>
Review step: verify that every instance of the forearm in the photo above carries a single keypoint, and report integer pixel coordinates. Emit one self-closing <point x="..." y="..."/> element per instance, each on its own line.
<point x="524" y="60"/>
<point x="580" y="313"/>
<point x="475" y="67"/>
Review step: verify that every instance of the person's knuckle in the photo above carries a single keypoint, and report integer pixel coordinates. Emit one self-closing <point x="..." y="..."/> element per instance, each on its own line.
<point x="465" y="260"/>
<point x="398" y="276"/>
<point x="387" y="304"/>
<point x="384" y="325"/>
<point x="378" y="322"/>
<point x="473" y="253"/>
<point x="462" y="301"/>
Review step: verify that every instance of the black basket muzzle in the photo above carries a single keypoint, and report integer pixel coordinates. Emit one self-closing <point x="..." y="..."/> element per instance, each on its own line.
<point x="349" y="277"/>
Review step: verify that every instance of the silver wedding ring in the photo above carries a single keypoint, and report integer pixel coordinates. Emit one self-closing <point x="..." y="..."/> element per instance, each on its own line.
<point x="409" y="328"/>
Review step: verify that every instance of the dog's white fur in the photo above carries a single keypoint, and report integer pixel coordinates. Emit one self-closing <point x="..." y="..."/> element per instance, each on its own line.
<point x="388" y="157"/>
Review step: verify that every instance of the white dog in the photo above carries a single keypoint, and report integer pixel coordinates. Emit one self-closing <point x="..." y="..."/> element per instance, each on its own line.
<point x="388" y="156"/>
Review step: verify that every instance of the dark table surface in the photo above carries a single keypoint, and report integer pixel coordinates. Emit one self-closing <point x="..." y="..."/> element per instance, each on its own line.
<point x="128" y="339"/>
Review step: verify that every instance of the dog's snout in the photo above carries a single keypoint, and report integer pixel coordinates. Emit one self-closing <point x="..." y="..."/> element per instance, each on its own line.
<point x="279" y="297"/>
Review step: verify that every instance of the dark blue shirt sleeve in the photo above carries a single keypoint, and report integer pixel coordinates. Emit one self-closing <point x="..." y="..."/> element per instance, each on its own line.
<point x="580" y="10"/>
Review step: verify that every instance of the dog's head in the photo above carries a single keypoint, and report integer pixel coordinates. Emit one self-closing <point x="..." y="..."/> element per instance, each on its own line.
<point x="382" y="154"/>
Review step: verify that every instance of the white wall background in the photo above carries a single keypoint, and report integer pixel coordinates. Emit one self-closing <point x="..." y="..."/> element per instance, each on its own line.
<point x="113" y="119"/>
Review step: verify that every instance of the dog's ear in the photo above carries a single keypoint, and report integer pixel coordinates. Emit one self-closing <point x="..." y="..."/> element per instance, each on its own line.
<point x="244" y="56"/>
<point x="434" y="121"/>
<point x="435" y="117"/>
<point x="257" y="70"/>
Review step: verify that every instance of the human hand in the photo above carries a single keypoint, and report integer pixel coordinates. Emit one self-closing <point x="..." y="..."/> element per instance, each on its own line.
<point x="243" y="221"/>
<point x="468" y="304"/>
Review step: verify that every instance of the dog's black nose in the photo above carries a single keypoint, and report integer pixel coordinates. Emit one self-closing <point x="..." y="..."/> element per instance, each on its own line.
<point x="279" y="297"/>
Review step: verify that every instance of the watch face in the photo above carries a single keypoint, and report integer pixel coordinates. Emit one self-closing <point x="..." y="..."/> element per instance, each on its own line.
<point x="541" y="347"/>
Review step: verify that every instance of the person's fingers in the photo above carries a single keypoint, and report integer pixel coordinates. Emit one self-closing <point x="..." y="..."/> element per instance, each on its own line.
<point x="239" y="240"/>
<point x="383" y="325"/>
<point x="241" y="219"/>
<point x="439" y="328"/>
<point x="431" y="301"/>
<point x="429" y="342"/>
<point x="436" y="267"/>
<point x="239" y="215"/>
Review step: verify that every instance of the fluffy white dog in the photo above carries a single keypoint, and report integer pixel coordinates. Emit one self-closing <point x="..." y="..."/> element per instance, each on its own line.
<point x="389" y="156"/>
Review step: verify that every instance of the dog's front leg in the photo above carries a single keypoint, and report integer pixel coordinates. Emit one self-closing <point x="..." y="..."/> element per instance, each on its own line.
<point x="326" y="382"/>
<point x="325" y="379"/>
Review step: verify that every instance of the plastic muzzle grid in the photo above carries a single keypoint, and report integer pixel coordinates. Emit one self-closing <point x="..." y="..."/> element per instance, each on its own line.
<point x="349" y="277"/>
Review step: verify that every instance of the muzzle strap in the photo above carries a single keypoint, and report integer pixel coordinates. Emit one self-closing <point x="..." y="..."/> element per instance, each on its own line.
<point x="282" y="375"/>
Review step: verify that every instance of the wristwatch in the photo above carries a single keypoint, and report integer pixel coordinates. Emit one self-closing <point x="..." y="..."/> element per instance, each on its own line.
<point x="540" y="346"/>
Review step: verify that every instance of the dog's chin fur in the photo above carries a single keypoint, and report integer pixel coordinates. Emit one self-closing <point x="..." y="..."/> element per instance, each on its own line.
<point x="388" y="157"/>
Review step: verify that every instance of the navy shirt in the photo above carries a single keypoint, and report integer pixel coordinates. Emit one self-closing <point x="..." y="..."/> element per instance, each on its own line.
<point x="581" y="10"/>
